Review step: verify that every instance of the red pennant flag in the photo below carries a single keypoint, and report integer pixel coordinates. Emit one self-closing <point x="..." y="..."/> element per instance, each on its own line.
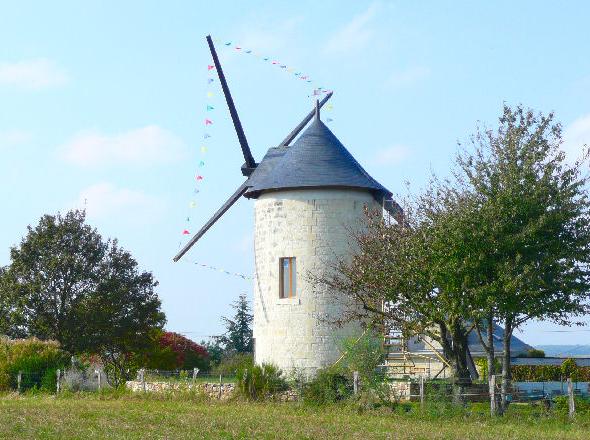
<point x="210" y="67"/>
<point x="199" y="177"/>
<point x="275" y="62"/>
<point x="238" y="48"/>
<point x="208" y="122"/>
<point x="186" y="232"/>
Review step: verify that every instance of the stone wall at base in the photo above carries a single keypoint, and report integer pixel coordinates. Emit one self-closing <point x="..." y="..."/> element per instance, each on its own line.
<point x="209" y="389"/>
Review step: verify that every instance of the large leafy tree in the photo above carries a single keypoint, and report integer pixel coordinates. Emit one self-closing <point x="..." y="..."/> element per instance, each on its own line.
<point x="533" y="247"/>
<point x="68" y="284"/>
<point x="415" y="268"/>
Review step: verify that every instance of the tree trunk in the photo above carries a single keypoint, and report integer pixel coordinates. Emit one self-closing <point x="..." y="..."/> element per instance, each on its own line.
<point x="462" y="374"/>
<point x="490" y="352"/>
<point x="506" y="374"/>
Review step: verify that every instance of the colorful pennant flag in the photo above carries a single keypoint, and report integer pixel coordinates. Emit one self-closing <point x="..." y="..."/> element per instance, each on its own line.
<point x="186" y="232"/>
<point x="199" y="177"/>
<point x="201" y="164"/>
<point x="203" y="149"/>
<point x="206" y="136"/>
<point x="192" y="204"/>
<point x="210" y="80"/>
<point x="209" y="94"/>
<point x="210" y="67"/>
<point x="210" y="107"/>
<point x="208" y="122"/>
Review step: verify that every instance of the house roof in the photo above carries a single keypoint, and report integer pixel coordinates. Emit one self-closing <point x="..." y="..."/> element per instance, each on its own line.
<point x="317" y="159"/>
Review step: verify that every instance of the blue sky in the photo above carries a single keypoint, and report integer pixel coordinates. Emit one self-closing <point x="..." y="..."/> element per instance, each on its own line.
<point x="102" y="105"/>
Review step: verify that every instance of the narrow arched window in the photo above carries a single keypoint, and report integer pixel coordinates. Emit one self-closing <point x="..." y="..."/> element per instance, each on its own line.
<point x="288" y="277"/>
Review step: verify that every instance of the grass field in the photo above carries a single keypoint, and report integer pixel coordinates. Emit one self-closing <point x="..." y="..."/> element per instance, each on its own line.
<point x="134" y="417"/>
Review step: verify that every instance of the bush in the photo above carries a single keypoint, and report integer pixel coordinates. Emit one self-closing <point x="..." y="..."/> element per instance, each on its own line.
<point x="231" y="364"/>
<point x="188" y="354"/>
<point x="37" y="360"/>
<point x="582" y="405"/>
<point x="329" y="386"/>
<point x="83" y="378"/>
<point x="260" y="381"/>
<point x="363" y="354"/>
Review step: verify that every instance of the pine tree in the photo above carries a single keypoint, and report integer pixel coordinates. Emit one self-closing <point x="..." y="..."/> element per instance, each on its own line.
<point x="238" y="335"/>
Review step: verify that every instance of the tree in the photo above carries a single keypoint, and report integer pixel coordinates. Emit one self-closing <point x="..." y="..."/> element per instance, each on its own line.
<point x="55" y="266"/>
<point x="86" y="293"/>
<point x="238" y="335"/>
<point x="533" y="217"/>
<point x="416" y="268"/>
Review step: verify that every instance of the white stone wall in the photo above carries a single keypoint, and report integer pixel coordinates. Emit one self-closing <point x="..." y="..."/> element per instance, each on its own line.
<point x="311" y="225"/>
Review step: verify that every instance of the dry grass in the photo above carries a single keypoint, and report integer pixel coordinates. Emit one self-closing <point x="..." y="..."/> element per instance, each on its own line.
<point x="130" y="417"/>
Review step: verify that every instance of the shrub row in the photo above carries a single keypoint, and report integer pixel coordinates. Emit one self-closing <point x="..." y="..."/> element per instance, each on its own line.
<point x="37" y="360"/>
<point x="542" y="373"/>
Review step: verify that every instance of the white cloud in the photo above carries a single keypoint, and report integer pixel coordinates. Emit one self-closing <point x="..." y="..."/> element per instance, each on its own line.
<point x="575" y="136"/>
<point x="392" y="155"/>
<point x="407" y="77"/>
<point x="35" y="74"/>
<point x="150" y="144"/>
<point x="105" y="200"/>
<point x="355" y="35"/>
<point x="11" y="138"/>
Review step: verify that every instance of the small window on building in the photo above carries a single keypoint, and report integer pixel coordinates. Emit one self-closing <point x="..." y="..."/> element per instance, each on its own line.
<point x="288" y="278"/>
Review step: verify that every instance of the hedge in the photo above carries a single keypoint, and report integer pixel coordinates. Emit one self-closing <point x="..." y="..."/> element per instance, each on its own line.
<point x="38" y="360"/>
<point x="543" y="373"/>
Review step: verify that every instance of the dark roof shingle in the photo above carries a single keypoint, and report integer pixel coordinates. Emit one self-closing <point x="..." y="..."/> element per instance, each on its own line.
<point x="317" y="159"/>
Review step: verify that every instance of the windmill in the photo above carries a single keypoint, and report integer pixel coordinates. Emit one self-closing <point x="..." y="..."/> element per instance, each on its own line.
<point x="307" y="194"/>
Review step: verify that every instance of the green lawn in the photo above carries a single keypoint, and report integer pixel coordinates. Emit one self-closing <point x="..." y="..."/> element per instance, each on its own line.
<point x="135" y="417"/>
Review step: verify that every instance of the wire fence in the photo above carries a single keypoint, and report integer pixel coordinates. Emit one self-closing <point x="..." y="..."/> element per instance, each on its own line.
<point x="217" y="385"/>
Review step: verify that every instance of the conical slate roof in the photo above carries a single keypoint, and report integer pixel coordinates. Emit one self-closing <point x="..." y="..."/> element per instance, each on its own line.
<point x="316" y="160"/>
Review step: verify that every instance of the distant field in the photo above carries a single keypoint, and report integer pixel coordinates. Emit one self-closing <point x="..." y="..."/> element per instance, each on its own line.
<point x="131" y="417"/>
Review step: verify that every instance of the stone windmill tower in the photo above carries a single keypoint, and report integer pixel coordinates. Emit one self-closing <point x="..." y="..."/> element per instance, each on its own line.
<point x="307" y="194"/>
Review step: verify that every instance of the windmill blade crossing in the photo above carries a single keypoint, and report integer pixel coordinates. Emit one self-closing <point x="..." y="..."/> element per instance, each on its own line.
<point x="234" y="197"/>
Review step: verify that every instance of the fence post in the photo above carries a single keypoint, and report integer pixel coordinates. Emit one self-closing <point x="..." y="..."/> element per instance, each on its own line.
<point x="355" y="382"/>
<point x="492" y="390"/>
<point x="142" y="375"/>
<point x="570" y="392"/>
<point x="195" y="372"/>
<point x="19" y="378"/>
<point x="97" y="372"/>
<point x="58" y="373"/>
<point x="220" y="385"/>
<point x="421" y="391"/>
